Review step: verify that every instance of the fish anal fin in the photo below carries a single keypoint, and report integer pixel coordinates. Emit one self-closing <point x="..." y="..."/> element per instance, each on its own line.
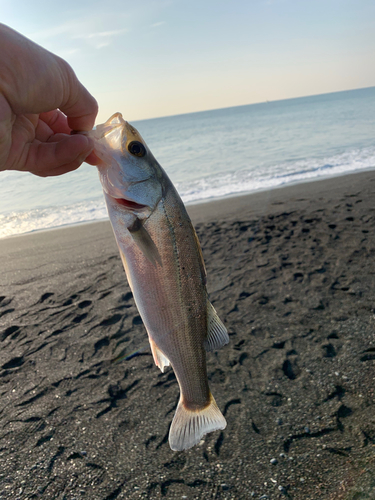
<point x="189" y="426"/>
<point x="144" y="242"/>
<point x="160" y="358"/>
<point x="217" y="335"/>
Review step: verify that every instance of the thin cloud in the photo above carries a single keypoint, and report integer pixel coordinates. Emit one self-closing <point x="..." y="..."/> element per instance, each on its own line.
<point x="75" y="31"/>
<point x="157" y="24"/>
<point x="78" y="28"/>
<point x="100" y="34"/>
<point x="68" y="52"/>
<point x="102" y="45"/>
<point x="99" y="39"/>
<point x="53" y="31"/>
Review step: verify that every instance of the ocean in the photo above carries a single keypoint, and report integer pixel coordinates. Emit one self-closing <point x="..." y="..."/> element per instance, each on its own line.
<point x="214" y="154"/>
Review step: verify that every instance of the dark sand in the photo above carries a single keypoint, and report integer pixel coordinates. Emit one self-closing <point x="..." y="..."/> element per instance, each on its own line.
<point x="290" y="272"/>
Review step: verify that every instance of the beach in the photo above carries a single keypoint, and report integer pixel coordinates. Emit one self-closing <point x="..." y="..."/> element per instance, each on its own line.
<point x="290" y="272"/>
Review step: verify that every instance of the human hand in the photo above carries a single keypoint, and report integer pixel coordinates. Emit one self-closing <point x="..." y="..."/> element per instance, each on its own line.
<point x="41" y="102"/>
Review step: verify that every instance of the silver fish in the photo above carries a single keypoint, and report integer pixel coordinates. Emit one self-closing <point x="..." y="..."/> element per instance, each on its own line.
<point x="164" y="265"/>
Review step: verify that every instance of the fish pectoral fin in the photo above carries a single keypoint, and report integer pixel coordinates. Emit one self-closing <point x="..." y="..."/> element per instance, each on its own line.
<point x="188" y="427"/>
<point x="160" y="358"/>
<point x="144" y="242"/>
<point x="217" y="335"/>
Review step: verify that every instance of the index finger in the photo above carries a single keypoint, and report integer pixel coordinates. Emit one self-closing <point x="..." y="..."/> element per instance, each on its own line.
<point x="79" y="105"/>
<point x="82" y="112"/>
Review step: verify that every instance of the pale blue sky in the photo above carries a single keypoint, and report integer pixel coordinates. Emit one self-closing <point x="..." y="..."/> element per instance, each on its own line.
<point x="151" y="58"/>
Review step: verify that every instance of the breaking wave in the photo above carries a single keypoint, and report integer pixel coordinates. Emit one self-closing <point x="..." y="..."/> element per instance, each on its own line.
<point x="195" y="191"/>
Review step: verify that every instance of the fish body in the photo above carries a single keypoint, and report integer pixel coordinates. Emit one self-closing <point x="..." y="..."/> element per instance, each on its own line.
<point x="165" y="270"/>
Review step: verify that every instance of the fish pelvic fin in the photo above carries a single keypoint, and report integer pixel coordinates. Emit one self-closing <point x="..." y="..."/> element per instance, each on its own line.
<point x="189" y="426"/>
<point x="160" y="358"/>
<point x="217" y="335"/>
<point x="144" y="242"/>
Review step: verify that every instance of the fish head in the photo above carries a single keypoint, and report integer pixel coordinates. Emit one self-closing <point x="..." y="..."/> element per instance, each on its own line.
<point x="128" y="171"/>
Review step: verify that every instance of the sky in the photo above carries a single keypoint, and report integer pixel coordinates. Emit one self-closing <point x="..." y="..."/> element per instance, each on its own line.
<point x="150" y="58"/>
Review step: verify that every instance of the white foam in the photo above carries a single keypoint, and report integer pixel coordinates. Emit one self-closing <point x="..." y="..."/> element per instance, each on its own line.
<point x="51" y="217"/>
<point x="203" y="189"/>
<point x="248" y="181"/>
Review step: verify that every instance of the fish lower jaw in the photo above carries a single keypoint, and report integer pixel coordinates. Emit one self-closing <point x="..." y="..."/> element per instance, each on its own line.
<point x="129" y="204"/>
<point x="120" y="201"/>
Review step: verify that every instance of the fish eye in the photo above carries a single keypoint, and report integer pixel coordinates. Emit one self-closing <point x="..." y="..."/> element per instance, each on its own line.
<point x="136" y="148"/>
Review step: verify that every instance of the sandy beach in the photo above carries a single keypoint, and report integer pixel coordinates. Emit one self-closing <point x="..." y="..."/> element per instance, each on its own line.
<point x="291" y="273"/>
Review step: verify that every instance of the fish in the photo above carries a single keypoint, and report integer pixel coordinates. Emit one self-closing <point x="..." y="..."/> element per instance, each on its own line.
<point x="164" y="265"/>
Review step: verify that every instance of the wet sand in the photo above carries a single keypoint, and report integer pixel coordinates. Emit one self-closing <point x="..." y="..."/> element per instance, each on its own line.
<point x="291" y="273"/>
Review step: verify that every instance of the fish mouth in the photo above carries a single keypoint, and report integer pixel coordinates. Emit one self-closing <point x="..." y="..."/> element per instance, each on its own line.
<point x="129" y="204"/>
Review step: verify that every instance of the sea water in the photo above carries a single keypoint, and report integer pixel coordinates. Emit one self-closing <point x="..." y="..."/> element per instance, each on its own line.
<point x="213" y="154"/>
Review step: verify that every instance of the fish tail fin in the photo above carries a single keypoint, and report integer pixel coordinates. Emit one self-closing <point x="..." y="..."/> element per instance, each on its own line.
<point x="189" y="426"/>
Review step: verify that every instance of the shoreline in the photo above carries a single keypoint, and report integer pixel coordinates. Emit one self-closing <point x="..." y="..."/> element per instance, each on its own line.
<point x="227" y="202"/>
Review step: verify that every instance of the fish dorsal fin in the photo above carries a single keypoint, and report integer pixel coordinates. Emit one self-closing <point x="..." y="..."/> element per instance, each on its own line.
<point x="160" y="358"/>
<point x="144" y="242"/>
<point x="217" y="335"/>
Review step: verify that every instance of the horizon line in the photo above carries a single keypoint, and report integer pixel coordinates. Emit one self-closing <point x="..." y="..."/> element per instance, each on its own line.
<point x="252" y="104"/>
